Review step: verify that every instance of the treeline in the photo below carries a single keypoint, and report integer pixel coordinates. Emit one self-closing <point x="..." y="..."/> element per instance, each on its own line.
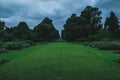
<point x="89" y="27"/>
<point x="45" y="31"/>
<point x="86" y="27"/>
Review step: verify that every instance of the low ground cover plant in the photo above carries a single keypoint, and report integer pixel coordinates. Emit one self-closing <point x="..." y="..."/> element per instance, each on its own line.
<point x="106" y="45"/>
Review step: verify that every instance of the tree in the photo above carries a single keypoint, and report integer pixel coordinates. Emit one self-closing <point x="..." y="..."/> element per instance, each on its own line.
<point x="92" y="16"/>
<point x="21" y="31"/>
<point x="112" y="24"/>
<point x="2" y="25"/>
<point x="71" y="28"/>
<point x="46" y="31"/>
<point x="9" y="34"/>
<point x="83" y="26"/>
<point x="2" y="30"/>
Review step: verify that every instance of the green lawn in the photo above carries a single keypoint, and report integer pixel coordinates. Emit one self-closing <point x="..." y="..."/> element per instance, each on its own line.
<point x="60" y="61"/>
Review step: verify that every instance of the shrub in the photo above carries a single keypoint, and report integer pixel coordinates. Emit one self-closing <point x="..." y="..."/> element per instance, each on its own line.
<point x="25" y="45"/>
<point x="106" y="45"/>
<point x="81" y="39"/>
<point x="3" y="61"/>
<point x="94" y="44"/>
<point x="86" y="43"/>
<point x="13" y="45"/>
<point x="2" y="50"/>
<point x="29" y="42"/>
<point x="1" y="43"/>
<point x="118" y="61"/>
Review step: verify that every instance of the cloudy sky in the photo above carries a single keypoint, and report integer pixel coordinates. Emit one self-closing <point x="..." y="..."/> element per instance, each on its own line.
<point x="33" y="11"/>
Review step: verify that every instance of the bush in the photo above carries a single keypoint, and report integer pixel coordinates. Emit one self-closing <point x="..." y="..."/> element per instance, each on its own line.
<point x="118" y="61"/>
<point x="86" y="43"/>
<point x="1" y="43"/>
<point x="2" y="50"/>
<point x="13" y="45"/>
<point x="28" y="43"/>
<point x="3" y="61"/>
<point x="81" y="39"/>
<point x="25" y="45"/>
<point x="106" y="45"/>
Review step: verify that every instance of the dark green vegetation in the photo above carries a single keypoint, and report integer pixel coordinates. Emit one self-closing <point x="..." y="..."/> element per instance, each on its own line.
<point x="88" y="26"/>
<point x="105" y="45"/>
<point x="60" y="61"/>
<point x="45" y="31"/>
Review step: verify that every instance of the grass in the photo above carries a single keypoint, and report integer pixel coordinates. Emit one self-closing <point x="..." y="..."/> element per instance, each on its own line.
<point x="60" y="61"/>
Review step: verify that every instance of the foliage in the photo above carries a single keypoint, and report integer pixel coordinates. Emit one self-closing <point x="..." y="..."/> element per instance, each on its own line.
<point x="93" y="18"/>
<point x="13" y="45"/>
<point x="106" y="45"/>
<point x="3" y="61"/>
<point x="2" y="50"/>
<point x="46" y="31"/>
<point x="21" y="31"/>
<point x="83" y="26"/>
<point x="118" y="60"/>
<point x="27" y="43"/>
<point x="2" y="32"/>
<point x="2" y="25"/>
<point x="112" y="24"/>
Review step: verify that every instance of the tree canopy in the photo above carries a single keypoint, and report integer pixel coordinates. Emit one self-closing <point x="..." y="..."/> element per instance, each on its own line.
<point x="83" y="26"/>
<point x="46" y="30"/>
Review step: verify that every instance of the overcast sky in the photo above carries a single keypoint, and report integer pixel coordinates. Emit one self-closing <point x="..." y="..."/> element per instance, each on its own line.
<point x="33" y="11"/>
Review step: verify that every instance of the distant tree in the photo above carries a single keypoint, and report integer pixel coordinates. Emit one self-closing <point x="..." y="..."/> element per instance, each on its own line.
<point x="2" y="30"/>
<point x="80" y="28"/>
<point x="21" y="31"/>
<point x="92" y="16"/>
<point x="46" y="30"/>
<point x="32" y="35"/>
<point x="9" y="34"/>
<point x="2" y="25"/>
<point x="71" y="31"/>
<point x="112" y="24"/>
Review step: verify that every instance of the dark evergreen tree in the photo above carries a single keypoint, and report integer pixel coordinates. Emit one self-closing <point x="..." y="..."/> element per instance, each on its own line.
<point x="112" y="24"/>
